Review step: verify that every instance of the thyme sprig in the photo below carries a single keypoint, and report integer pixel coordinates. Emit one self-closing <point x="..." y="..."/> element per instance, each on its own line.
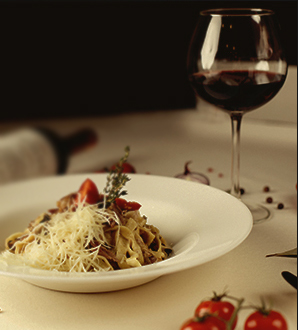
<point x="116" y="180"/>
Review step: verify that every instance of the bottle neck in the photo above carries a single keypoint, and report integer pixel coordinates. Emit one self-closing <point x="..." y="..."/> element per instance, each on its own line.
<point x="66" y="146"/>
<point x="80" y="141"/>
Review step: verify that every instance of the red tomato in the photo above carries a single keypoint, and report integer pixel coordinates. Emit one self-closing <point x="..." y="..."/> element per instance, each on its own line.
<point x="89" y="192"/>
<point x="222" y="309"/>
<point x="127" y="168"/>
<point x="208" y="323"/>
<point x="127" y="206"/>
<point x="265" y="321"/>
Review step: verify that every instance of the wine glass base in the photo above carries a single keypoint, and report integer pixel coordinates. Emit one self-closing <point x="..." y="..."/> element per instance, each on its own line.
<point x="259" y="213"/>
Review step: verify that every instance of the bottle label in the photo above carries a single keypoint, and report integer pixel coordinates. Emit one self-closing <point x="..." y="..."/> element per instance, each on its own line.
<point x="26" y="154"/>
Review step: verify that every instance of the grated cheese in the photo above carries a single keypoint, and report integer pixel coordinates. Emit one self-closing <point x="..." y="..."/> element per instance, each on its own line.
<point x="86" y="238"/>
<point x="61" y="244"/>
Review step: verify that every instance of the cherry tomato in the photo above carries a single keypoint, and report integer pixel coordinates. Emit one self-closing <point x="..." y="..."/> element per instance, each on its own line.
<point x="88" y="192"/>
<point x="126" y="168"/>
<point x="208" y="323"/>
<point x="223" y="309"/>
<point x="271" y="320"/>
<point x="127" y="206"/>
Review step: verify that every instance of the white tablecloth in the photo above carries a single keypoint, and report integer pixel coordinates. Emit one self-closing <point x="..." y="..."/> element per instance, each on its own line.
<point x="161" y="142"/>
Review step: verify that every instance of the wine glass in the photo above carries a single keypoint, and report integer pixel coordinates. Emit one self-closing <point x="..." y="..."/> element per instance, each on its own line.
<point x="237" y="63"/>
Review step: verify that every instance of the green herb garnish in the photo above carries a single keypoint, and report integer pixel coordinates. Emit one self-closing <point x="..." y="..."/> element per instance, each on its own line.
<point x="116" y="180"/>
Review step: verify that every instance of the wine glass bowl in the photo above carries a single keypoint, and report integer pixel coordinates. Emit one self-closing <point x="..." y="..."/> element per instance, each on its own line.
<point x="236" y="62"/>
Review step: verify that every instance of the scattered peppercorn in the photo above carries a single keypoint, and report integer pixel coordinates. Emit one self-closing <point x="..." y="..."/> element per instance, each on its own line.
<point x="210" y="169"/>
<point x="266" y="189"/>
<point x="280" y="206"/>
<point x="242" y="191"/>
<point x="269" y="200"/>
<point x="220" y="175"/>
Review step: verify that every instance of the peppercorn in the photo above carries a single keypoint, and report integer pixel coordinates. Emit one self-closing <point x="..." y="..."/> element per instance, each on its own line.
<point x="269" y="200"/>
<point x="266" y="189"/>
<point x="280" y="206"/>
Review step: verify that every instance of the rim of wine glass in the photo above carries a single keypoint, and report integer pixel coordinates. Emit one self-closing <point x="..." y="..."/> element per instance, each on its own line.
<point x="237" y="12"/>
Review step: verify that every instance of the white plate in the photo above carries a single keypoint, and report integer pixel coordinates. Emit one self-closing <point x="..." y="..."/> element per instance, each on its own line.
<point x="202" y="223"/>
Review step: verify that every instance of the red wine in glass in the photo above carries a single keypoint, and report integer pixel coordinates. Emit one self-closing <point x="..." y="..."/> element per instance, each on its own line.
<point x="239" y="91"/>
<point x="236" y="62"/>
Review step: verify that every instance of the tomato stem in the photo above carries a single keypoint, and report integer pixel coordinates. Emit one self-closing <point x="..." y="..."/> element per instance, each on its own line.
<point x="235" y="313"/>
<point x="263" y="308"/>
<point x="229" y="324"/>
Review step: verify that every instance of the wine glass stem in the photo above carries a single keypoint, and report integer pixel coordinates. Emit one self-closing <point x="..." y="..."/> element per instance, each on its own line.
<point x="236" y="124"/>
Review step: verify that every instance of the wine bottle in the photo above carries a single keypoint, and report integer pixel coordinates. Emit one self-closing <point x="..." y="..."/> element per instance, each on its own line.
<point x="35" y="152"/>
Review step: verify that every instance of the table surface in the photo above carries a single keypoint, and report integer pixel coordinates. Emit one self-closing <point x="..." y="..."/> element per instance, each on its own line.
<point x="161" y="142"/>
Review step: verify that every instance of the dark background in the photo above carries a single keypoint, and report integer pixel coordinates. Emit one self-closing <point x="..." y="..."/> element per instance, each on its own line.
<point x="94" y="58"/>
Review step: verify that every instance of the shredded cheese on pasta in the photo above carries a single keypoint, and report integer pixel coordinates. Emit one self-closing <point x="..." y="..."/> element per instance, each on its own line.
<point x="87" y="239"/>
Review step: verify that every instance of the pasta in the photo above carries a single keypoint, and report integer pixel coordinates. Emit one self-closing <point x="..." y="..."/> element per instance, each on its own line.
<point x="81" y="237"/>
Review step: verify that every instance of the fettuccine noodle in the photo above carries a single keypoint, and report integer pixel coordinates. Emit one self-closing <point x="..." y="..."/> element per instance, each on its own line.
<point x="87" y="238"/>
